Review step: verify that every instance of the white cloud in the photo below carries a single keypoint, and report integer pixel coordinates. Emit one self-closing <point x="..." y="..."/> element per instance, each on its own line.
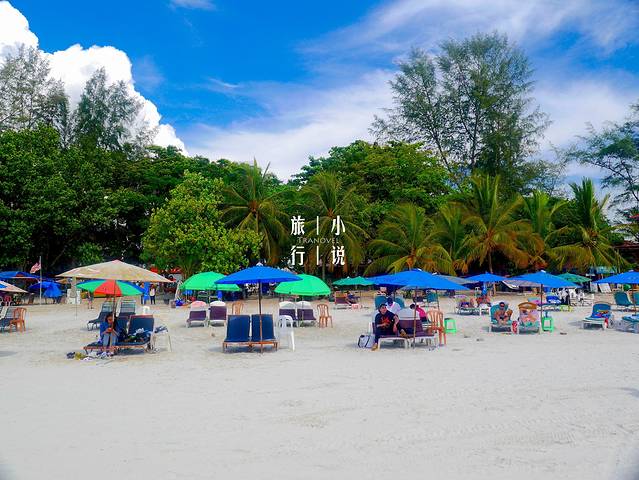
<point x="75" y="65"/>
<point x="194" y="4"/>
<point x="301" y="121"/>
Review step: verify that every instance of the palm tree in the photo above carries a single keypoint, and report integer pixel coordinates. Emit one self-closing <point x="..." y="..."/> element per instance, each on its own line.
<point x="251" y="206"/>
<point x="493" y="228"/>
<point x="540" y="211"/>
<point x="403" y="242"/>
<point x="450" y="232"/>
<point x="327" y="201"/>
<point x="589" y="232"/>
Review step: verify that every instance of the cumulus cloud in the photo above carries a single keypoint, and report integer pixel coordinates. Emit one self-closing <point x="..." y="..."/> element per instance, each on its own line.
<point x="75" y="65"/>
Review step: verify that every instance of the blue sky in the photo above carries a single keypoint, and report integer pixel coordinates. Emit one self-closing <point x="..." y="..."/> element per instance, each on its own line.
<point x="283" y="80"/>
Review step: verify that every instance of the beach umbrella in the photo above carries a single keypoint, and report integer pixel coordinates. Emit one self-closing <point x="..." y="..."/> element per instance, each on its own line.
<point x="259" y="275"/>
<point x="418" y="279"/>
<point x="115" y="270"/>
<point x="353" y="282"/>
<point x="8" y="275"/>
<point x="630" y="278"/>
<point x="49" y="289"/>
<point x="206" y="281"/>
<point x="309" y="286"/>
<point x="7" y="287"/>
<point x="111" y="288"/>
<point x="574" y="278"/>
<point x="484" y="278"/>
<point x="541" y="279"/>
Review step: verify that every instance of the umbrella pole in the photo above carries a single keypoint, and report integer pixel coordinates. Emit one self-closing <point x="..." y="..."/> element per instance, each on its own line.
<point x="541" y="307"/>
<point x="414" y="316"/>
<point x="259" y="309"/>
<point x="437" y="297"/>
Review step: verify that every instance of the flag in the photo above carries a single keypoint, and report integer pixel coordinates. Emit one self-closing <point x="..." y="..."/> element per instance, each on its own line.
<point x="35" y="268"/>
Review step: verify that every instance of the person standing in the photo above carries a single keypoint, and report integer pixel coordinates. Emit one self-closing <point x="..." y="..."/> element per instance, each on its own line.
<point x="90" y="300"/>
<point x="152" y="294"/>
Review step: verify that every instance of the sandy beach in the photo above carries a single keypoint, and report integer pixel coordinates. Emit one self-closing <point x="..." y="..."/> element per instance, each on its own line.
<point x="487" y="405"/>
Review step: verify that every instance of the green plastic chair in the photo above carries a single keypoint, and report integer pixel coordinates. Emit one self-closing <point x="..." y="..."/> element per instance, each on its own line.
<point x="547" y="323"/>
<point x="450" y="325"/>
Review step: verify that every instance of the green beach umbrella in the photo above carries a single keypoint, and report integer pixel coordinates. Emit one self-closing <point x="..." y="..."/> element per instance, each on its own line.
<point x="309" y="286"/>
<point x="206" y="281"/>
<point x="574" y="278"/>
<point x="353" y="282"/>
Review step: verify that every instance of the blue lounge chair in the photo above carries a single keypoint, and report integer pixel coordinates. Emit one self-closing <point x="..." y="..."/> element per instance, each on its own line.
<point x="237" y="331"/>
<point x="267" y="336"/>
<point x="379" y="299"/>
<point x="431" y="297"/>
<point x="120" y="326"/>
<point x="139" y="333"/>
<point x="622" y="301"/>
<point x="107" y="308"/>
<point x="127" y="308"/>
<point x="495" y="326"/>
<point x="552" y="302"/>
<point x="600" y="317"/>
<point x="631" y="323"/>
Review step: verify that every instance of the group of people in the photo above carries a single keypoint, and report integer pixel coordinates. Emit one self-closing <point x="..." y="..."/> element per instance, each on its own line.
<point x="387" y="320"/>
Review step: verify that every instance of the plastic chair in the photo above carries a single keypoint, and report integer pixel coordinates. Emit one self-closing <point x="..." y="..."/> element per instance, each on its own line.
<point x="236" y="308"/>
<point x="547" y="323"/>
<point x="450" y="325"/>
<point x="285" y="330"/>
<point x="436" y="318"/>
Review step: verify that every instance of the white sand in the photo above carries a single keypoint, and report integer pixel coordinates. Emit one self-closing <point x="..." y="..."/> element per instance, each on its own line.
<point x="493" y="406"/>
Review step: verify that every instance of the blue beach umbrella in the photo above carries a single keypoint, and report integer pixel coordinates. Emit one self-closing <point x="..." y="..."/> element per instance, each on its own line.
<point x="259" y="275"/>
<point x="541" y="279"/>
<point x="49" y="289"/>
<point x="417" y="279"/>
<point x="485" y="278"/>
<point x="630" y="277"/>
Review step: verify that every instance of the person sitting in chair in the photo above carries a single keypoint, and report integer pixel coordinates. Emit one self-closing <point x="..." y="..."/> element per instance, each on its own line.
<point x="108" y="334"/>
<point x="502" y="315"/>
<point x="527" y="317"/>
<point x="386" y="323"/>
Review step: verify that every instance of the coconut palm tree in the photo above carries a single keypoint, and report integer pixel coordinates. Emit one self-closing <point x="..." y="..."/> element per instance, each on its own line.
<point x="328" y="203"/>
<point x="250" y="205"/>
<point x="404" y="242"/>
<point x="589" y="232"/>
<point x="540" y="211"/>
<point x="493" y="227"/>
<point x="450" y="232"/>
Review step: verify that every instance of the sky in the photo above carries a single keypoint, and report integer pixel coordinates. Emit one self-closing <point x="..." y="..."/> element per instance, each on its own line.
<point x="279" y="81"/>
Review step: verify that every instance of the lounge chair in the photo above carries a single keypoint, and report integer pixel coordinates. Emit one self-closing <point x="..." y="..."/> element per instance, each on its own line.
<point x="431" y="297"/>
<point x="127" y="308"/>
<point x="7" y="318"/>
<point x="552" y="302"/>
<point x="465" y="306"/>
<point x="394" y="338"/>
<point x="622" y="301"/>
<point x="107" y="307"/>
<point x="217" y="313"/>
<point x="120" y="326"/>
<point x="196" y="315"/>
<point x="288" y="308"/>
<point x="267" y="336"/>
<point x="420" y="334"/>
<point x="305" y="313"/>
<point x="528" y="320"/>
<point x="379" y="299"/>
<point x="139" y="333"/>
<point x="630" y="323"/>
<point x="495" y="326"/>
<point x="341" y="301"/>
<point x="237" y="331"/>
<point x="601" y="316"/>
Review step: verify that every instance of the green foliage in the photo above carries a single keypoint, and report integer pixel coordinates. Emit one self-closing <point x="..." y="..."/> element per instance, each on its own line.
<point x="587" y="241"/>
<point x="493" y="226"/>
<point x="325" y="198"/>
<point x="187" y="231"/>
<point x="252" y="205"/>
<point x="472" y="105"/>
<point x="404" y="243"/>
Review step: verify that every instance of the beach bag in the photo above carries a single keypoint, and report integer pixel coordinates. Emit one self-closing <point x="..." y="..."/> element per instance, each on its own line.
<point x="366" y="340"/>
